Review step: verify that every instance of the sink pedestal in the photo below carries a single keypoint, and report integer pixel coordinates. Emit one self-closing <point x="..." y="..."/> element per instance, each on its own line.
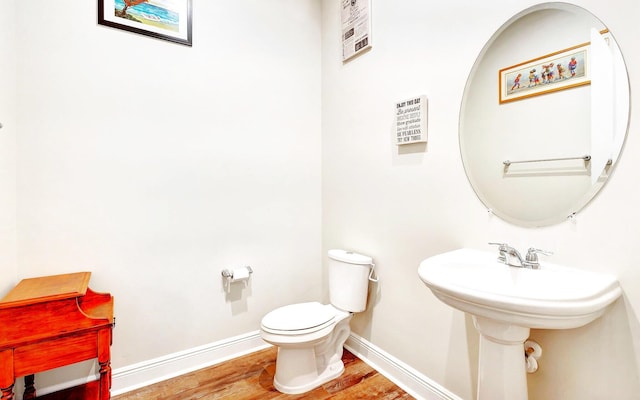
<point x="502" y="371"/>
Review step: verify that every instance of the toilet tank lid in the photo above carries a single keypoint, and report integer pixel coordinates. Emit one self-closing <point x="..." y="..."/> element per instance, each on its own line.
<point x="350" y="257"/>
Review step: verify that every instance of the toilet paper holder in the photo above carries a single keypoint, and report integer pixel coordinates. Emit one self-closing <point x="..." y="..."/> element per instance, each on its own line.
<point x="229" y="274"/>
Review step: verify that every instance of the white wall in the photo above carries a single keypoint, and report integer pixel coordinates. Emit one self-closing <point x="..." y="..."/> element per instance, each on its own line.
<point x="7" y="145"/>
<point x="147" y="163"/>
<point x="404" y="204"/>
<point x="156" y="165"/>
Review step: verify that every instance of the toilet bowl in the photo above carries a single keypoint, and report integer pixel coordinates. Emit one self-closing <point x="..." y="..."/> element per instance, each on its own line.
<point x="310" y="336"/>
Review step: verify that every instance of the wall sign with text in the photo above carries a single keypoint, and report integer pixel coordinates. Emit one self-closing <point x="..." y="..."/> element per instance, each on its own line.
<point x="411" y="120"/>
<point x="356" y="27"/>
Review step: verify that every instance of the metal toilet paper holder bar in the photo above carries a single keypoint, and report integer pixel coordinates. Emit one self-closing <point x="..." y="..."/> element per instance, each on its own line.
<point x="226" y="273"/>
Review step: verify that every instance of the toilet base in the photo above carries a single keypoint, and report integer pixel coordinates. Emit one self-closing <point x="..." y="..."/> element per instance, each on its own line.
<point x="303" y="378"/>
<point x="300" y="369"/>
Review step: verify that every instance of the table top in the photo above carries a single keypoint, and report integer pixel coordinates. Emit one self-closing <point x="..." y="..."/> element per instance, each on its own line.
<point x="47" y="288"/>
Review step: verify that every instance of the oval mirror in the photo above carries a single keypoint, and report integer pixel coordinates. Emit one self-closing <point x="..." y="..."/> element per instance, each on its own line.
<point x="544" y="114"/>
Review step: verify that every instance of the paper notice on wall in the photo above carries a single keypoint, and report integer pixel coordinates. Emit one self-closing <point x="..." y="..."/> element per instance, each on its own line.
<point x="356" y="27"/>
<point x="411" y="120"/>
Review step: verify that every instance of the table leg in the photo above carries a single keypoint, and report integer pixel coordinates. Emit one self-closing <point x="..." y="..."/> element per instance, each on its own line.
<point x="105" y="380"/>
<point x="104" y="359"/>
<point x="7" y="393"/>
<point x="29" y="387"/>
<point x="7" y="379"/>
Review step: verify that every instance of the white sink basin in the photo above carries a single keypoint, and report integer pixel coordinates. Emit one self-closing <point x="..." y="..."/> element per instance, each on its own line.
<point x="505" y="302"/>
<point x="552" y="297"/>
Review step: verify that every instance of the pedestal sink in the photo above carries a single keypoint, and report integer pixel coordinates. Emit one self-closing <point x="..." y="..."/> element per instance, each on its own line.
<point x="506" y="302"/>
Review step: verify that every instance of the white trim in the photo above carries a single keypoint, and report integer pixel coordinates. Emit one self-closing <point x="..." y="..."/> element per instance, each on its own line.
<point x="162" y="368"/>
<point x="407" y="378"/>
<point x="152" y="371"/>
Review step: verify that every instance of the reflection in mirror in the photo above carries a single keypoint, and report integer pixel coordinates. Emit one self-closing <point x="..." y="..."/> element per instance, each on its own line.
<point x="541" y="155"/>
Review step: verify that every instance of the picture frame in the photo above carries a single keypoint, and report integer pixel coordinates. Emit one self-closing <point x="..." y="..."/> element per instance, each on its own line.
<point x="162" y="19"/>
<point x="552" y="72"/>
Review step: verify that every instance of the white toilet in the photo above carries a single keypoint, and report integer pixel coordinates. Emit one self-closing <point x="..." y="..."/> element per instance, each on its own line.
<point x="310" y="336"/>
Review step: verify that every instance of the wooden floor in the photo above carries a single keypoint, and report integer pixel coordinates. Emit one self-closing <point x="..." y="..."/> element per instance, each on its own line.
<point x="251" y="378"/>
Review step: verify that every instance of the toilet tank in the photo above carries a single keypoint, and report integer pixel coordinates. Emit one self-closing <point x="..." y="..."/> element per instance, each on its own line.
<point x="349" y="280"/>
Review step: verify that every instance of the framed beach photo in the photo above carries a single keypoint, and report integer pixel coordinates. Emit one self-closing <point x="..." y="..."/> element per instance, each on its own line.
<point x="560" y="70"/>
<point x="161" y="19"/>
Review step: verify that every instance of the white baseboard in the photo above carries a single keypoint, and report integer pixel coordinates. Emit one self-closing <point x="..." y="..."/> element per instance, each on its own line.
<point x="407" y="378"/>
<point x="159" y="369"/>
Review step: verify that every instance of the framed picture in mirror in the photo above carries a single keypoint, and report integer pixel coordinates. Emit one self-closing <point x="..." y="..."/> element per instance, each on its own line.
<point x="559" y="70"/>
<point x="167" y="19"/>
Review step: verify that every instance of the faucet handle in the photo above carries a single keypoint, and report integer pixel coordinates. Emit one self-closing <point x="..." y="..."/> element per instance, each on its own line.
<point x="532" y="254"/>
<point x="531" y="259"/>
<point x="502" y="248"/>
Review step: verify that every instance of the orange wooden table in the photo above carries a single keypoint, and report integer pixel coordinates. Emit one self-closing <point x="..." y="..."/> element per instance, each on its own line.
<point x="52" y="321"/>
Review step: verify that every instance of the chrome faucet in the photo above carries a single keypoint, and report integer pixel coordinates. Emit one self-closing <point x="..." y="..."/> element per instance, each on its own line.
<point x="510" y="256"/>
<point x="507" y="255"/>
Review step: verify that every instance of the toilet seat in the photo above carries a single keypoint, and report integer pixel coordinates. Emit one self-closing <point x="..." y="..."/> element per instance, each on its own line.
<point x="299" y="319"/>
